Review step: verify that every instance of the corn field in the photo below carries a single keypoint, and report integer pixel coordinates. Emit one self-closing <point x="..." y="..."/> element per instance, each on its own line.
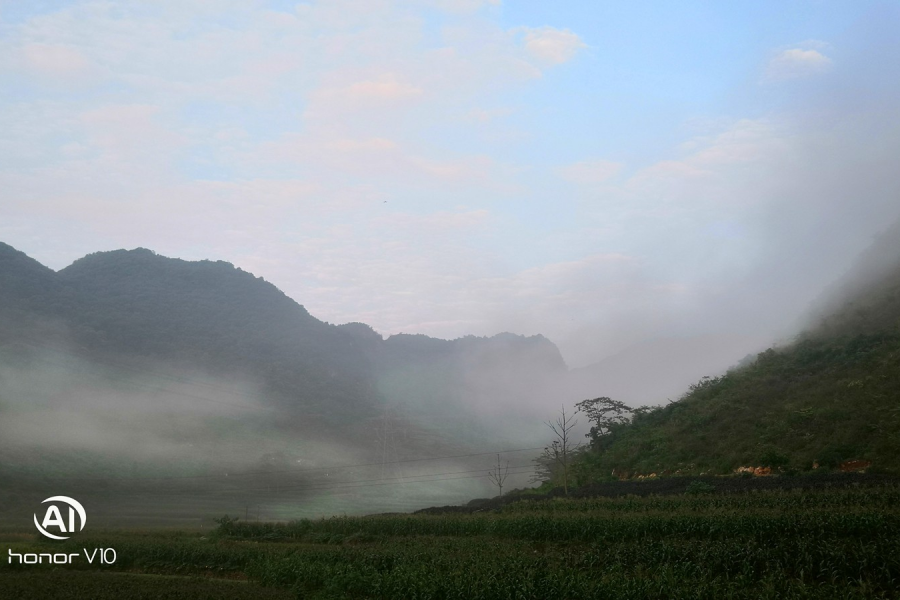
<point x="812" y="544"/>
<point x="824" y="543"/>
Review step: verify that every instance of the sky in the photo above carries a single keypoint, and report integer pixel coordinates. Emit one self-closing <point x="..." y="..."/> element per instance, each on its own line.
<point x="601" y="173"/>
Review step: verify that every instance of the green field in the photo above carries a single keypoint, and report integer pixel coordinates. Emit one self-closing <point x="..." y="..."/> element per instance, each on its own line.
<point x="813" y="543"/>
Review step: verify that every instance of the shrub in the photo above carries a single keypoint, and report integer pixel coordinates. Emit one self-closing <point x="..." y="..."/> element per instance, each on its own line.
<point x="774" y="459"/>
<point x="700" y="487"/>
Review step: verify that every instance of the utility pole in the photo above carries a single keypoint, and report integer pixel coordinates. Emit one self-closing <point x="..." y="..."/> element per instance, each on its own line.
<point x="387" y="436"/>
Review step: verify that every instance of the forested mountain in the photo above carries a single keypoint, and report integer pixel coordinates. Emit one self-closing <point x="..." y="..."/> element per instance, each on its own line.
<point x="136" y="305"/>
<point x="27" y="288"/>
<point x="832" y="395"/>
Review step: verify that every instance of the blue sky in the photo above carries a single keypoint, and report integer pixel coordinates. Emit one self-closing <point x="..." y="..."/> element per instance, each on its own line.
<point x="601" y="173"/>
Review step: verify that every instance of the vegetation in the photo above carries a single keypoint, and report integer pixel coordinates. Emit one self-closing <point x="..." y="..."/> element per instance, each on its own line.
<point x="605" y="414"/>
<point x="823" y="543"/>
<point x="830" y="396"/>
<point x="821" y="402"/>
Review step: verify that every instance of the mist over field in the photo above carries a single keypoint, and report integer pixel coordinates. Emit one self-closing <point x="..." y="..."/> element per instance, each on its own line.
<point x="168" y="447"/>
<point x="279" y="260"/>
<point x="152" y="442"/>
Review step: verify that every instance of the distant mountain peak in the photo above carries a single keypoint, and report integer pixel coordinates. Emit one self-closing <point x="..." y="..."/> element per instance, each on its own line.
<point x="16" y="264"/>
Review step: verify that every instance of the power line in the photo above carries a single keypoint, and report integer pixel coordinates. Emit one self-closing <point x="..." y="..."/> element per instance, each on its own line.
<point x="372" y="483"/>
<point x="400" y="478"/>
<point x="170" y="391"/>
<point x="337" y="485"/>
<point x="298" y="470"/>
<point x="187" y="382"/>
<point x="341" y="489"/>
<point x="123" y="365"/>
<point x="107" y="362"/>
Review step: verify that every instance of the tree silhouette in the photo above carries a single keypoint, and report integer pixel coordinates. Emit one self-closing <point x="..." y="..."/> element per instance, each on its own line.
<point x="605" y="413"/>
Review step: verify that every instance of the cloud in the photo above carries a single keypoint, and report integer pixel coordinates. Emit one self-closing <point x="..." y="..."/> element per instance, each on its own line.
<point x="55" y="60"/>
<point x="552" y="46"/>
<point x="386" y="163"/>
<point x="367" y="145"/>
<point x="385" y="92"/>
<point x="729" y="156"/>
<point x="464" y="6"/>
<point x="483" y="115"/>
<point x="796" y="63"/>
<point x="129" y="128"/>
<point x="590" y="172"/>
<point x="387" y="88"/>
<point x="461" y="170"/>
<point x="436" y="223"/>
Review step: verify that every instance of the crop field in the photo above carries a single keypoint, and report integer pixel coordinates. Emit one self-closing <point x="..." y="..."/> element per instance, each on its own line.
<point x="819" y="543"/>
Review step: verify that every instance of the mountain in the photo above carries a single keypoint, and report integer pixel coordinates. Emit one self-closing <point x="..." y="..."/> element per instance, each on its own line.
<point x="138" y="307"/>
<point x="27" y="288"/>
<point x="203" y="315"/>
<point x="832" y="395"/>
<point x="192" y="388"/>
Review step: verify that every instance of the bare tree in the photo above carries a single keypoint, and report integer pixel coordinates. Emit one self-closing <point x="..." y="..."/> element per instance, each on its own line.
<point x="498" y="475"/>
<point x="562" y="448"/>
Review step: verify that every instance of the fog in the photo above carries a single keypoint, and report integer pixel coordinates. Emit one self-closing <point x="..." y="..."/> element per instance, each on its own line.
<point x="656" y="213"/>
<point x="149" y="442"/>
<point x="158" y="445"/>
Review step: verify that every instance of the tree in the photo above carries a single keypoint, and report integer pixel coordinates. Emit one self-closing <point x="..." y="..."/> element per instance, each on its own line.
<point x="561" y="449"/>
<point x="545" y="468"/>
<point x="498" y="475"/>
<point x="605" y="414"/>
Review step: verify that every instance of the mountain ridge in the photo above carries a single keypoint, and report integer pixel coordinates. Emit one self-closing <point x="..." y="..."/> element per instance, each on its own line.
<point x="221" y="318"/>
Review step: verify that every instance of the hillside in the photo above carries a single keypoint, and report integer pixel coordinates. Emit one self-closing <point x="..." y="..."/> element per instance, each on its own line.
<point x="153" y="312"/>
<point x="213" y="316"/>
<point x="830" y="396"/>
<point x="140" y="311"/>
<point x="30" y="294"/>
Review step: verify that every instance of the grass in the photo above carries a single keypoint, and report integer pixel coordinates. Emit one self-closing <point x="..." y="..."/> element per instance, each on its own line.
<point x="818" y="543"/>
